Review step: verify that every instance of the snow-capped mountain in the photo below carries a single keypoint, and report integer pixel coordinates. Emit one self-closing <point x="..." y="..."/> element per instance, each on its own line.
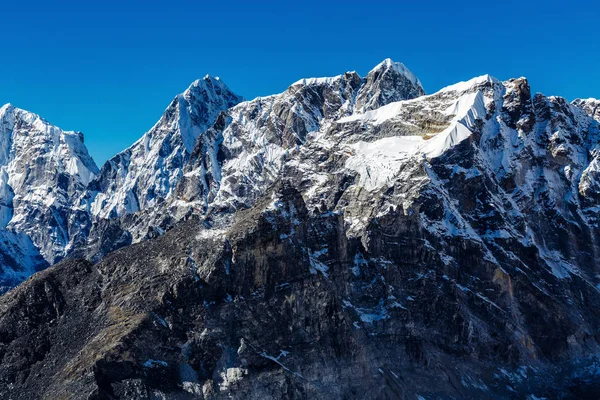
<point x="42" y="170"/>
<point x="244" y="152"/>
<point x="147" y="172"/>
<point x="51" y="191"/>
<point x="235" y="160"/>
<point x="535" y="155"/>
<point x="347" y="236"/>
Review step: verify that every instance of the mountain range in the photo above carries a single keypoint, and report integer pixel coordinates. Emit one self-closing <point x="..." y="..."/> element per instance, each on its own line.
<point x="350" y="237"/>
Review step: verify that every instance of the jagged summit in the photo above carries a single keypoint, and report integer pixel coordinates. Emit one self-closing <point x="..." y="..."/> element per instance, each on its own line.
<point x="146" y="172"/>
<point x="387" y="66"/>
<point x="210" y="84"/>
<point x="208" y="77"/>
<point x="320" y="81"/>
<point x="386" y="83"/>
<point x="9" y="111"/>
<point x="591" y="106"/>
<point x="388" y="63"/>
<point x="471" y="83"/>
<point x="399" y="68"/>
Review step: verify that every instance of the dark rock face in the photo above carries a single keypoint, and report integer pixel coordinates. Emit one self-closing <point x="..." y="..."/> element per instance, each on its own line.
<point x="285" y="305"/>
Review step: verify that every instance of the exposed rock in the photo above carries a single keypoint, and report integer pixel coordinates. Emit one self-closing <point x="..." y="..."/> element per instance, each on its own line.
<point x="283" y="304"/>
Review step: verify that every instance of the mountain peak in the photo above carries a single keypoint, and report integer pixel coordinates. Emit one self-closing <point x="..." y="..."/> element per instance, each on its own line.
<point x="212" y="89"/>
<point x="44" y="168"/>
<point x="471" y="83"/>
<point x="207" y="80"/>
<point x="591" y="106"/>
<point x="398" y="67"/>
<point x="386" y="83"/>
<point x="5" y="109"/>
<point x="317" y="81"/>
<point x="209" y="77"/>
<point x="149" y="170"/>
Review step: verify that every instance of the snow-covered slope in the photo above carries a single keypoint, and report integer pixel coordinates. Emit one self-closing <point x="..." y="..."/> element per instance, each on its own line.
<point x="42" y="170"/>
<point x="19" y="259"/>
<point x="147" y="172"/>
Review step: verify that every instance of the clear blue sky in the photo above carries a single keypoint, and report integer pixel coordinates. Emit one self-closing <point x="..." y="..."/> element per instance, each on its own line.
<point x="109" y="68"/>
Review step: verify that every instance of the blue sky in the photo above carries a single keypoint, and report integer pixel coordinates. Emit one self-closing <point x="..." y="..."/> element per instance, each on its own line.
<point x="109" y="68"/>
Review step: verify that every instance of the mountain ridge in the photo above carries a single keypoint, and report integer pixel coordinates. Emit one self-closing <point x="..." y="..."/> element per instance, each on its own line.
<point x="349" y="237"/>
<point x="118" y="188"/>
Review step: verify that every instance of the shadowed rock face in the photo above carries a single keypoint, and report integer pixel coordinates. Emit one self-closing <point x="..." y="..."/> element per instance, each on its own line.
<point x="283" y="304"/>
